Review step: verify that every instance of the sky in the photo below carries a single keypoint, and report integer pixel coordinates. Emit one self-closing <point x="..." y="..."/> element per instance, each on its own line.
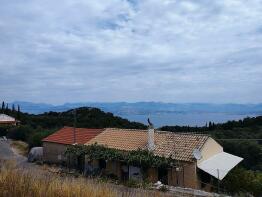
<point x="137" y="50"/>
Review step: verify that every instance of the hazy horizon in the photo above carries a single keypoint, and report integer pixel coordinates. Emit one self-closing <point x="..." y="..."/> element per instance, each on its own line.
<point x="160" y="113"/>
<point x="83" y="102"/>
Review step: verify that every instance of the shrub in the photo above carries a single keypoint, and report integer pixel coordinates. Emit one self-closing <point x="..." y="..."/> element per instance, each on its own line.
<point x="35" y="139"/>
<point x="4" y="130"/>
<point x="19" y="133"/>
<point x="163" y="188"/>
<point x="241" y="180"/>
<point x="112" y="176"/>
<point x="132" y="183"/>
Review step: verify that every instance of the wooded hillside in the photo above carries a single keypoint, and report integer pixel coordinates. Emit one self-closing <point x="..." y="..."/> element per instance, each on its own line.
<point x="34" y="128"/>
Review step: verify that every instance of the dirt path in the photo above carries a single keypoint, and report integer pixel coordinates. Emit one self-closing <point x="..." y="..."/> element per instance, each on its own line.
<point x="11" y="154"/>
<point x="5" y="150"/>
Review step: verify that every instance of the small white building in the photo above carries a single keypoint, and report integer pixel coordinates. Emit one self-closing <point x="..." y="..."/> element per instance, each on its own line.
<point x="7" y="120"/>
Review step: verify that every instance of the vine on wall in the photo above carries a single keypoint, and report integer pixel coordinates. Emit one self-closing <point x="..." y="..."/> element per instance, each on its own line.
<point x="142" y="158"/>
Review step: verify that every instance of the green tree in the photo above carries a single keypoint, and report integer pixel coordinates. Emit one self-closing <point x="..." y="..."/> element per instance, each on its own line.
<point x="20" y="133"/>
<point x="251" y="152"/>
<point x="241" y="180"/>
<point x="3" y="107"/>
<point x="18" y="112"/>
<point x="6" y="109"/>
<point x="13" y="108"/>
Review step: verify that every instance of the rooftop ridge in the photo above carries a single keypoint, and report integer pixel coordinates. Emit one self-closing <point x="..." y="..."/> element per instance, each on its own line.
<point x="190" y="133"/>
<point x="142" y="130"/>
<point x="160" y="131"/>
<point x="84" y="128"/>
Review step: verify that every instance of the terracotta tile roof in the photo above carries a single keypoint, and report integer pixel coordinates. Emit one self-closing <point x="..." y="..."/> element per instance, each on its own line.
<point x="122" y="139"/>
<point x="179" y="146"/>
<point x="66" y="135"/>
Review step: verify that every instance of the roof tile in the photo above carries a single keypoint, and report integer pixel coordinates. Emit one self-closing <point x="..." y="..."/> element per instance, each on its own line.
<point x="179" y="146"/>
<point x="66" y="135"/>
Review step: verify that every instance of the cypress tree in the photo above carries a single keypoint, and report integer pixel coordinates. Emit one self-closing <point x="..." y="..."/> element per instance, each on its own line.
<point x="18" y="112"/>
<point x="210" y="125"/>
<point x="3" y="106"/>
<point x="6" y="109"/>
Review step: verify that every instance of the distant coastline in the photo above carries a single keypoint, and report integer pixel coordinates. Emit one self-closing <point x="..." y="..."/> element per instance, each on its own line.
<point x="192" y="114"/>
<point x="186" y="119"/>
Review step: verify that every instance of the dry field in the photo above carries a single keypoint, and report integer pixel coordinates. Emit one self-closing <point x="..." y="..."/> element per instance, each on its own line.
<point x="15" y="182"/>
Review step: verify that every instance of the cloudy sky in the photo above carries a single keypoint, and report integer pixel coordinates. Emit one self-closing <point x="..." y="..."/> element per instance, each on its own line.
<point x="137" y="50"/>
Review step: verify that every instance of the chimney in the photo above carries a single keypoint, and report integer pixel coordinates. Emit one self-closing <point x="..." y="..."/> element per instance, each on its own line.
<point x="151" y="141"/>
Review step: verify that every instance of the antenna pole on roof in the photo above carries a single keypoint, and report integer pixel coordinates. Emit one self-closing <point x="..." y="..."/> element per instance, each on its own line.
<point x="150" y="140"/>
<point x="74" y="126"/>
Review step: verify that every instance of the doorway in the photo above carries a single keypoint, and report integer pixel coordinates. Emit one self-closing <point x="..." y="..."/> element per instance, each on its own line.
<point x="163" y="175"/>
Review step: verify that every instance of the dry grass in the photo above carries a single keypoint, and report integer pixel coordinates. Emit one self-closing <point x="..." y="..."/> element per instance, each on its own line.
<point x="18" y="183"/>
<point x="21" y="147"/>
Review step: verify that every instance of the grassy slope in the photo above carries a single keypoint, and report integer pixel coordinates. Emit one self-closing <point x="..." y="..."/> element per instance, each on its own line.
<point x="46" y="185"/>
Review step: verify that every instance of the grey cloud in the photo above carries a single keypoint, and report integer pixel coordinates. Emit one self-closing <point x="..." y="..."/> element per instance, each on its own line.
<point x="174" y="51"/>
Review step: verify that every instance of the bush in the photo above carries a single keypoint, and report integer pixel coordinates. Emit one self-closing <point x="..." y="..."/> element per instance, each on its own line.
<point x="241" y="180"/>
<point x="163" y="188"/>
<point x="3" y="130"/>
<point x="132" y="183"/>
<point x="19" y="133"/>
<point x="251" y="151"/>
<point x="35" y="139"/>
<point x="112" y="177"/>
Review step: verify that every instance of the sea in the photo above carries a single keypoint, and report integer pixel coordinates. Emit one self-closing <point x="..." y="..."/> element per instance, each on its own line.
<point x="185" y="119"/>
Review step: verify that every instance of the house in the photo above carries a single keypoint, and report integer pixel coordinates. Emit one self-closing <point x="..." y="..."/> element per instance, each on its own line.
<point x="55" y="145"/>
<point x="8" y="120"/>
<point x="201" y="160"/>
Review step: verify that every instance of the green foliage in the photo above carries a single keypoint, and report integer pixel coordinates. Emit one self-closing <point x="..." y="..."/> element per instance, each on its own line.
<point x="251" y="151"/>
<point x="34" y="128"/>
<point x="86" y="118"/>
<point x="32" y="136"/>
<point x="142" y="158"/>
<point x="19" y="133"/>
<point x="241" y="180"/>
<point x="132" y="183"/>
<point x="36" y="138"/>
<point x="4" y="130"/>
<point x="163" y="188"/>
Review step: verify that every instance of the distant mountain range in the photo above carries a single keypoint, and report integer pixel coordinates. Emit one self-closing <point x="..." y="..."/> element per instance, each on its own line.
<point x="160" y="113"/>
<point x="143" y="108"/>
